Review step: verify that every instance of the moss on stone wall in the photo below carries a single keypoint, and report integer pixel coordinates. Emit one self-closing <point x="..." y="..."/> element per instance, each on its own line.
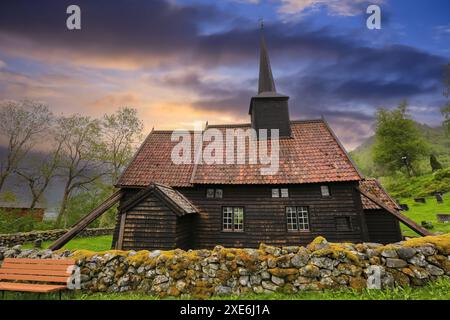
<point x="203" y="273"/>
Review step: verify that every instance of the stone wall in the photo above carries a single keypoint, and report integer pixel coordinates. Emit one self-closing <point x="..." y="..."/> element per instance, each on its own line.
<point x="224" y="271"/>
<point x="13" y="239"/>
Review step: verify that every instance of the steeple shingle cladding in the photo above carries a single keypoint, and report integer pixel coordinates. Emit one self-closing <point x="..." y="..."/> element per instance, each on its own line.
<point x="265" y="82"/>
<point x="311" y="155"/>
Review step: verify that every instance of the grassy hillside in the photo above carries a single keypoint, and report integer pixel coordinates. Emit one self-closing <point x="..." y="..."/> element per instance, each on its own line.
<point x="400" y="186"/>
<point x="426" y="212"/>
<point x="437" y="139"/>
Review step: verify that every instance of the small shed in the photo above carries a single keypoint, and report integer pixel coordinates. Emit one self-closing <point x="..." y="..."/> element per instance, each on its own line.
<point x="155" y="217"/>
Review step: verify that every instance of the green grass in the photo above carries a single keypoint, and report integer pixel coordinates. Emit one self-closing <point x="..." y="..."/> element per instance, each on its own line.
<point x="400" y="186"/>
<point x="100" y="243"/>
<point x="438" y="290"/>
<point x="427" y="212"/>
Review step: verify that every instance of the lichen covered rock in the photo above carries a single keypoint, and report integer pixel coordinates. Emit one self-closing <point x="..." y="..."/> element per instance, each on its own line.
<point x="231" y="271"/>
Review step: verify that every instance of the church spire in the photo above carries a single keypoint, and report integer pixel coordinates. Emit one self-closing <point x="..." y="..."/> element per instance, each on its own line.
<point x="266" y="83"/>
<point x="269" y="109"/>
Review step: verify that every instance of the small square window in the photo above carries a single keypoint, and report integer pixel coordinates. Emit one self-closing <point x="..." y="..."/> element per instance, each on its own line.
<point x="284" y="193"/>
<point x="209" y="193"/>
<point x="219" y="193"/>
<point x="275" y="193"/>
<point x="325" y="190"/>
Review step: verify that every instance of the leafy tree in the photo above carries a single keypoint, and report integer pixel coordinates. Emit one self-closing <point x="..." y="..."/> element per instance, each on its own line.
<point x="434" y="163"/>
<point x="398" y="143"/>
<point x="81" y="156"/>
<point x="121" y="131"/>
<point x="21" y="125"/>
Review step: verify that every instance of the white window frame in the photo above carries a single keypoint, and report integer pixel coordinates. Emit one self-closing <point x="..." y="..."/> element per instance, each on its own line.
<point x="327" y="188"/>
<point x="303" y="218"/>
<point x="291" y="219"/>
<point x="275" y="192"/>
<point x="238" y="219"/>
<point x="233" y="219"/>
<point x="284" y="193"/>
<point x="301" y="214"/>
<point x="227" y="218"/>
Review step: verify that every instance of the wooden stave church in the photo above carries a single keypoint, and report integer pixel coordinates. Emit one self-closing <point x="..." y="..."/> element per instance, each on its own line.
<point x="168" y="206"/>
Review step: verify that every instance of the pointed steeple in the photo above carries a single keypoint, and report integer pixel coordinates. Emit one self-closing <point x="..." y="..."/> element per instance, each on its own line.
<point x="269" y="109"/>
<point x="266" y="82"/>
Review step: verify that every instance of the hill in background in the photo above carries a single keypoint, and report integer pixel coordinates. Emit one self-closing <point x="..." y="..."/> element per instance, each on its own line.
<point x="427" y="183"/>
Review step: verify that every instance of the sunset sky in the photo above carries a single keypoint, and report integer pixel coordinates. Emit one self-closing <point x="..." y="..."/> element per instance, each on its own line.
<point x="179" y="61"/>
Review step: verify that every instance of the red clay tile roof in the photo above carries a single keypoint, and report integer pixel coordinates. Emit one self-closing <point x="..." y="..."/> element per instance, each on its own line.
<point x="152" y="164"/>
<point x="373" y="187"/>
<point x="312" y="154"/>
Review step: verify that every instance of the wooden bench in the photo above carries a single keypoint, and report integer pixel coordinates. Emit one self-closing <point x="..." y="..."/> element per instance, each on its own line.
<point x="35" y="275"/>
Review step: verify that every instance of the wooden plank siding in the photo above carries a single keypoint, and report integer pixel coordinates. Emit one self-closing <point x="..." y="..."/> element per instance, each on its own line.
<point x="382" y="226"/>
<point x="185" y="231"/>
<point x="152" y="225"/>
<point x="265" y="217"/>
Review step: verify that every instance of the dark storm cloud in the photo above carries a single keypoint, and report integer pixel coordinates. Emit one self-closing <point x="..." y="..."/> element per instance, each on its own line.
<point x="109" y="28"/>
<point x="160" y="28"/>
<point x="340" y="76"/>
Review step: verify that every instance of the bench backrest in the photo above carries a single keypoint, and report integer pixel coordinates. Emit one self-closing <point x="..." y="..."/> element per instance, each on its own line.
<point x="37" y="270"/>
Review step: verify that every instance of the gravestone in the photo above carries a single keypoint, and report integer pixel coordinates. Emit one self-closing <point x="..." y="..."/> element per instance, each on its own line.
<point x="439" y="198"/>
<point x="404" y="207"/>
<point x="419" y="200"/>
<point x="443" y="217"/>
<point x="427" y="225"/>
<point x="38" y="243"/>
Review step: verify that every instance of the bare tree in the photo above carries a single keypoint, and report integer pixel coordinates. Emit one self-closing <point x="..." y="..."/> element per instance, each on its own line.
<point x="39" y="173"/>
<point x="81" y="160"/>
<point x="21" y="124"/>
<point x="122" y="131"/>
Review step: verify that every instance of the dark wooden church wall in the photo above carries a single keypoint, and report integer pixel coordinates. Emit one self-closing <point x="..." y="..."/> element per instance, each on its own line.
<point x="265" y="217"/>
<point x="185" y="232"/>
<point x="152" y="225"/>
<point x="382" y="227"/>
